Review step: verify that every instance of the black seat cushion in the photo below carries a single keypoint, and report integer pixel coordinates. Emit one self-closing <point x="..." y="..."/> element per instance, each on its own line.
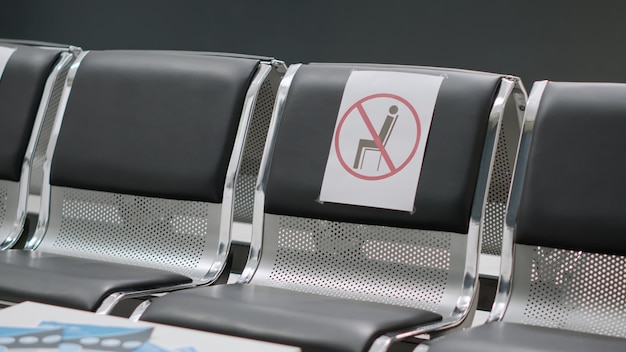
<point x="501" y="336"/>
<point x="313" y="322"/>
<point x="73" y="282"/>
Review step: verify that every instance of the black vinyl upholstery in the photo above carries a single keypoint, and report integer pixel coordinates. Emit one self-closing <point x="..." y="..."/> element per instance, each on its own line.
<point x="195" y="98"/>
<point x="450" y="167"/>
<point x="21" y="88"/>
<point x="313" y="322"/>
<point x="502" y="336"/>
<point x="71" y="282"/>
<point x="574" y="189"/>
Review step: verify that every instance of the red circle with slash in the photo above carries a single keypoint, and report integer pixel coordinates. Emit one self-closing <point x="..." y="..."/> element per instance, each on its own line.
<point x="358" y="106"/>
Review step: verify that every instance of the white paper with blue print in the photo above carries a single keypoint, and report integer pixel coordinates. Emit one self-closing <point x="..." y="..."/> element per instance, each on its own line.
<point x="65" y="337"/>
<point x="84" y="337"/>
<point x="29" y="339"/>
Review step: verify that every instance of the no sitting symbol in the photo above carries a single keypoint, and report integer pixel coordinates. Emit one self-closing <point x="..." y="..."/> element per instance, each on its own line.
<point x="377" y="136"/>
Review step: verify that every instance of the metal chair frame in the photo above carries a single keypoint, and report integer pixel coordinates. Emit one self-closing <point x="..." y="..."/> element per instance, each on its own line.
<point x="12" y="224"/>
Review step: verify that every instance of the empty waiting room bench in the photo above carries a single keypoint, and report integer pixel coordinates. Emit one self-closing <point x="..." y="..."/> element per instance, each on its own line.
<point x="31" y="80"/>
<point x="140" y="176"/>
<point x="330" y="276"/>
<point x="562" y="285"/>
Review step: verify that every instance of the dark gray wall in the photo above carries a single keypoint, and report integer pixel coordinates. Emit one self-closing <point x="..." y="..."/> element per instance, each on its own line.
<point x="535" y="39"/>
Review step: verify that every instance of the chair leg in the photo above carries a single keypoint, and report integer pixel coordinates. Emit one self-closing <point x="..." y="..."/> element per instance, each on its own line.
<point x="223" y="278"/>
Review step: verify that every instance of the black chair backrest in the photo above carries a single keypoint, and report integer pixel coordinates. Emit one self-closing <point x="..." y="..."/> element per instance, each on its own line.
<point x="574" y="190"/>
<point x="451" y="162"/>
<point x="152" y="125"/>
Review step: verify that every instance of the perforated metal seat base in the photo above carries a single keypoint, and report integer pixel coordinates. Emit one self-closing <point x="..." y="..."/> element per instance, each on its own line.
<point x="151" y="232"/>
<point x="381" y="264"/>
<point x="570" y="290"/>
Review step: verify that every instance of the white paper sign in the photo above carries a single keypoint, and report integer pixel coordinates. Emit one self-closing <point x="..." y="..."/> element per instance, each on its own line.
<point x="376" y="155"/>
<point x="5" y="54"/>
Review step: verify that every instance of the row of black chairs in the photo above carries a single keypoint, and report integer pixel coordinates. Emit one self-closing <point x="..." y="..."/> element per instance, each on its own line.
<point x="145" y="159"/>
